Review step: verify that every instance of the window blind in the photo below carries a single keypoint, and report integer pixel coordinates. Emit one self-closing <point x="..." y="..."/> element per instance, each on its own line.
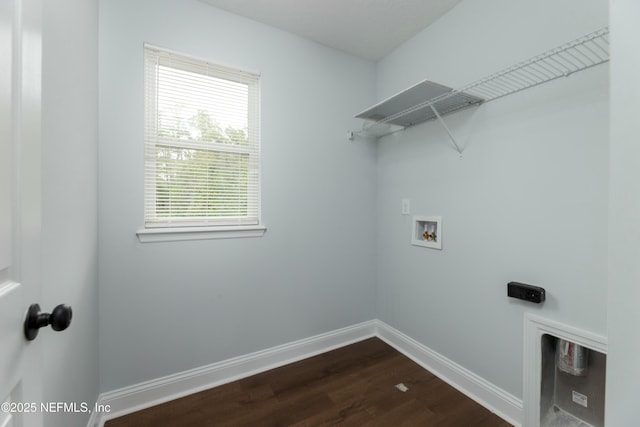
<point x="201" y="143"/>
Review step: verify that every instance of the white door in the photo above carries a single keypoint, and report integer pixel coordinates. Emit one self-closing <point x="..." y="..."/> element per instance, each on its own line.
<point x="20" y="194"/>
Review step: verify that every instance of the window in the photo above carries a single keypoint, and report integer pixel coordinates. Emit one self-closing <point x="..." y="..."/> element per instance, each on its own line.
<point x="201" y="145"/>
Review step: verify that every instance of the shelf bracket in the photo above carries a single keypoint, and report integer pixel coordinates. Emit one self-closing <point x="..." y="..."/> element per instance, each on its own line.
<point x="446" y="128"/>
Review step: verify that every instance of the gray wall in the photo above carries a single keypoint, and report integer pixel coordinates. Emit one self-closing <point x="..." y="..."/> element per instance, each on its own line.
<point x="168" y="307"/>
<point x="527" y="202"/>
<point x="623" y="370"/>
<point x="69" y="188"/>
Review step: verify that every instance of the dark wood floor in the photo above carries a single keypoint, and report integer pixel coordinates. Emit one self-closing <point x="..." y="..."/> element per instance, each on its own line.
<point x="351" y="386"/>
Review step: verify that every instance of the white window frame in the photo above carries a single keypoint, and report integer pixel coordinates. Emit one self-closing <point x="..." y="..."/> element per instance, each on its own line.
<point x="175" y="230"/>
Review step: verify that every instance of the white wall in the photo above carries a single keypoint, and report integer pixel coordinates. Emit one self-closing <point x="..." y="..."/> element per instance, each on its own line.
<point x="623" y="370"/>
<point x="168" y="307"/>
<point x="69" y="188"/>
<point x="527" y="202"/>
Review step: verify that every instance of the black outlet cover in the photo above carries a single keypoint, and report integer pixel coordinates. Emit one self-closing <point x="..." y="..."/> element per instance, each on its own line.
<point x="522" y="291"/>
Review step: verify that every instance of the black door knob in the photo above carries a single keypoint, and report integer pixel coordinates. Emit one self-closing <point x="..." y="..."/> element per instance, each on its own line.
<point x="59" y="319"/>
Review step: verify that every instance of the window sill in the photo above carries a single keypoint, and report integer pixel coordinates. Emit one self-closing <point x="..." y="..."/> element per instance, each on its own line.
<point x="151" y="235"/>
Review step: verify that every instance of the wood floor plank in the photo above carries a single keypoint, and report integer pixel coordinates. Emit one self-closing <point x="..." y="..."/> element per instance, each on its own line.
<point x="351" y="412"/>
<point x="350" y="386"/>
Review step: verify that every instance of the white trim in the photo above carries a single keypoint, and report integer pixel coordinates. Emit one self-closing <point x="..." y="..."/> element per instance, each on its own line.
<point x="492" y="397"/>
<point x="198" y="58"/>
<point x="151" y="235"/>
<point x="534" y="328"/>
<point x="150" y="393"/>
<point x="95" y="420"/>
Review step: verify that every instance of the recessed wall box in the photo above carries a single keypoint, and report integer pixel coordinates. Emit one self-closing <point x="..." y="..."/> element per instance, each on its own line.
<point x="525" y="292"/>
<point x="427" y="231"/>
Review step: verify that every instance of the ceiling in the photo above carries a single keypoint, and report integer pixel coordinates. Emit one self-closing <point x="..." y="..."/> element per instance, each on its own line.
<point x="369" y="29"/>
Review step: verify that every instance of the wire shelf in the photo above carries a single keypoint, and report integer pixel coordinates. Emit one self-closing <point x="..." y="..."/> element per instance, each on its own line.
<point x="577" y="55"/>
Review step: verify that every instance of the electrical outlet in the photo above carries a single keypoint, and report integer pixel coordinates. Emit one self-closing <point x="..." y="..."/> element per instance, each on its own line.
<point x="406" y="206"/>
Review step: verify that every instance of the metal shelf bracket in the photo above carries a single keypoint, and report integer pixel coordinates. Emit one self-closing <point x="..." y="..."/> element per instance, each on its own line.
<point x="446" y="128"/>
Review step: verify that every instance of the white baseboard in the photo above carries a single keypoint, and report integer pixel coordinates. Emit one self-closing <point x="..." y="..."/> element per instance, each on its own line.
<point x="154" y="392"/>
<point x="139" y="396"/>
<point x="495" y="399"/>
<point x="94" y="419"/>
